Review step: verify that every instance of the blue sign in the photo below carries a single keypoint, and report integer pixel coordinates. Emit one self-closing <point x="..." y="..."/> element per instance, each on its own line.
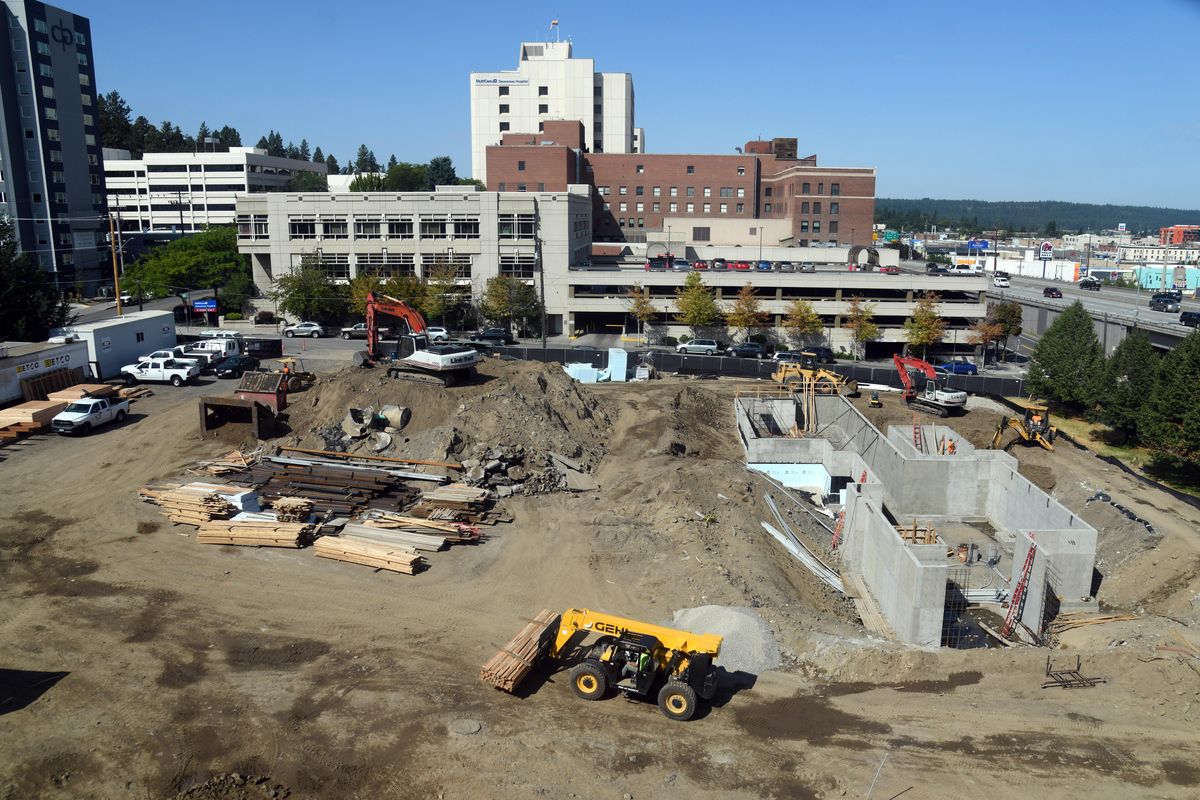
<point x="977" y="244"/>
<point x="207" y="304"/>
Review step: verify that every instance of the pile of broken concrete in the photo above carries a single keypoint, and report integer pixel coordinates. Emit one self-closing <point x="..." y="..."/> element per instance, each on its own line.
<point x="517" y="471"/>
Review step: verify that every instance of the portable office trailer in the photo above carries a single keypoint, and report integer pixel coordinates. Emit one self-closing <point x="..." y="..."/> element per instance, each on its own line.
<point x="113" y="343"/>
<point x="20" y="360"/>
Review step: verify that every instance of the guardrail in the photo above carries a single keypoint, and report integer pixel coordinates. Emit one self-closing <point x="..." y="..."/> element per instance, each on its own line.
<point x="731" y="366"/>
<point x="1145" y="323"/>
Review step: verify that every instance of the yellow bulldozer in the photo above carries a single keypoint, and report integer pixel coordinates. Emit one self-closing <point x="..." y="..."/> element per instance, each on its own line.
<point x="1032" y="428"/>
<point x="635" y="658"/>
<point x="806" y="369"/>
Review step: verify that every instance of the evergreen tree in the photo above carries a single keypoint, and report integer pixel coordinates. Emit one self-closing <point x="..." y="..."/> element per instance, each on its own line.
<point x="407" y="178"/>
<point x="746" y="313"/>
<point x="1129" y="379"/>
<point x="392" y="161"/>
<point x="143" y="137"/>
<point x="229" y="136"/>
<point x="1171" y="424"/>
<point x="696" y="306"/>
<point x="1067" y="361"/>
<point x="263" y="144"/>
<point x="331" y="165"/>
<point x="202" y="134"/>
<point x="291" y="151"/>
<point x="275" y="145"/>
<point x="365" y="160"/>
<point x="441" y="172"/>
<point x="115" y="127"/>
<point x="368" y="182"/>
<point x="317" y="156"/>
<point x="802" y="321"/>
<point x="926" y="326"/>
<point x="304" y="151"/>
<point x="305" y="181"/>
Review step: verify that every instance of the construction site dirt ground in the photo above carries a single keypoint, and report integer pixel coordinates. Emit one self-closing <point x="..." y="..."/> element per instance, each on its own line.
<point x="164" y="666"/>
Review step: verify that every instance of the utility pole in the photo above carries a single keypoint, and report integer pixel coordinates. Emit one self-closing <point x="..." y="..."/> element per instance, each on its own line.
<point x="116" y="278"/>
<point x="537" y="249"/>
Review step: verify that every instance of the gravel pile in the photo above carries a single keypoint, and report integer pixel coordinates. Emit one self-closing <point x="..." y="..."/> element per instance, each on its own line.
<point x="748" y="644"/>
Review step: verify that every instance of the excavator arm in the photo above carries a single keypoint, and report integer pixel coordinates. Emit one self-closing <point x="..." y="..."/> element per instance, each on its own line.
<point x="904" y="364"/>
<point x="389" y="306"/>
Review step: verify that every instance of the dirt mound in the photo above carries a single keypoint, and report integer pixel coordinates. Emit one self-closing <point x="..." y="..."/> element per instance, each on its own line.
<point x="502" y="428"/>
<point x="234" y="786"/>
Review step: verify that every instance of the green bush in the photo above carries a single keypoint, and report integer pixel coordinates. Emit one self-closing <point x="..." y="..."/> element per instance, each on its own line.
<point x="757" y="338"/>
<point x="669" y="340"/>
<point x="264" y="318"/>
<point x="233" y="315"/>
<point x="684" y="338"/>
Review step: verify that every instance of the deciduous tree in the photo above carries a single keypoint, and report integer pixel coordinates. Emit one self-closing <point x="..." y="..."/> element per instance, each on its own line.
<point x="801" y="321"/>
<point x="305" y="181"/>
<point x="206" y="259"/>
<point x="507" y="299"/>
<point x="638" y="303"/>
<point x="32" y="306"/>
<point x="368" y="182"/>
<point x="860" y="321"/>
<point x="746" y="313"/>
<point x="308" y="293"/>
<point x="695" y="304"/>
<point x="360" y="286"/>
<point x="1067" y="360"/>
<point x="407" y="178"/>
<point x="1009" y="316"/>
<point x="926" y="325"/>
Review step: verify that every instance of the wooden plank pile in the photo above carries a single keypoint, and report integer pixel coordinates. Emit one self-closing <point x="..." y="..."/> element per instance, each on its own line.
<point x="38" y="387"/>
<point x="459" y="503"/>
<point x="30" y="417"/>
<point x="292" y="509"/>
<point x="379" y="555"/>
<point x="1081" y="619"/>
<point x="233" y="461"/>
<point x="255" y="533"/>
<point x="81" y="390"/>
<point x="457" y="495"/>
<point x="516" y="659"/>
<point x="452" y="531"/>
<point x="189" y="504"/>
<point x="132" y="393"/>
<point x="331" y="488"/>
<point x="412" y="540"/>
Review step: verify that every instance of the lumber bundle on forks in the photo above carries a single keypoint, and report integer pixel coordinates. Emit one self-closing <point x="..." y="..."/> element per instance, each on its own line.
<point x="516" y="659"/>
<point x="379" y="555"/>
<point x="254" y="533"/>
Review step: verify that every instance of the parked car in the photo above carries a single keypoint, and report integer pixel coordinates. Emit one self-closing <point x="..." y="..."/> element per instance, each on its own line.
<point x="824" y="354"/>
<point x="889" y="270"/>
<point x="1089" y="283"/>
<point x="437" y="334"/>
<point x="304" y="329"/>
<point x="807" y="266"/>
<point x="1190" y="318"/>
<point x="1001" y="282"/>
<point x="1173" y="293"/>
<point x="1164" y="302"/>
<point x="763" y="266"/>
<point x="656" y="264"/>
<point x="935" y="269"/>
<point x="703" y="347"/>
<point x="741" y="265"/>
<point x="235" y="366"/>
<point x="720" y="263"/>
<point x="81" y="415"/>
<point x="785" y="355"/>
<point x="701" y="264"/>
<point x="494" y="336"/>
<point x="785" y="266"/>
<point x="681" y="265"/>
<point x="165" y="370"/>
<point x="958" y="367"/>
<point x="1051" y="291"/>
<point x="749" y="350"/>
<point x="359" y="331"/>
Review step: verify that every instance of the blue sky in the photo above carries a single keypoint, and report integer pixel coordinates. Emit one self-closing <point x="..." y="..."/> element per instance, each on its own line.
<point x="1061" y="100"/>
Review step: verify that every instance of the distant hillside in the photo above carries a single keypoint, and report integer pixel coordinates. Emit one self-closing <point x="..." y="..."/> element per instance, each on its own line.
<point x="1036" y="215"/>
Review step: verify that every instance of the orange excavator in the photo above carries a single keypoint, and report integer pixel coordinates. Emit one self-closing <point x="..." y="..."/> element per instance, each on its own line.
<point x="414" y="358"/>
<point x="932" y="398"/>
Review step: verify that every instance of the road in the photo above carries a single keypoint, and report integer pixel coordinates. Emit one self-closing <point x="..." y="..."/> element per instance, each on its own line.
<point x="1109" y="300"/>
<point x="107" y="309"/>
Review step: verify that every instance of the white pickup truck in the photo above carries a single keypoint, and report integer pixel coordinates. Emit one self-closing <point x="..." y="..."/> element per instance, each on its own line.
<point x="86" y="413"/>
<point x="181" y="353"/>
<point x="160" y="370"/>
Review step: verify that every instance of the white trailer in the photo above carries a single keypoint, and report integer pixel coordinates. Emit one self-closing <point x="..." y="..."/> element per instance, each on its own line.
<point x="113" y="343"/>
<point x="19" y="360"/>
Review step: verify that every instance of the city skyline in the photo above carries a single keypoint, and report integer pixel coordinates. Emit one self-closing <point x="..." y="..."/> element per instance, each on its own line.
<point x="1042" y="104"/>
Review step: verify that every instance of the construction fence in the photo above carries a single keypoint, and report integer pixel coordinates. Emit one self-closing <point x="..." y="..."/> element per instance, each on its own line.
<point x="750" y="368"/>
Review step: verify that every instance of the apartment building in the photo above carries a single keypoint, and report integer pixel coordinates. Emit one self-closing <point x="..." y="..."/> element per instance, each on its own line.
<point x="186" y="192"/>
<point x="550" y="84"/>
<point x="51" y="165"/>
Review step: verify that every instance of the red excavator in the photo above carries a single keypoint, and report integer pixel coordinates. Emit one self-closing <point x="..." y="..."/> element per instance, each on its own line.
<point x="932" y="398"/>
<point x="414" y="358"/>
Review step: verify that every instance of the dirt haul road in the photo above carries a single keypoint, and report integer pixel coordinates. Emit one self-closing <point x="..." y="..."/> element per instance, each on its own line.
<point x="163" y="666"/>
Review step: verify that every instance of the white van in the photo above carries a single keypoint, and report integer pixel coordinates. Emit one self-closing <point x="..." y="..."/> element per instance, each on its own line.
<point x="219" y="333"/>
<point x="223" y="348"/>
<point x="964" y="269"/>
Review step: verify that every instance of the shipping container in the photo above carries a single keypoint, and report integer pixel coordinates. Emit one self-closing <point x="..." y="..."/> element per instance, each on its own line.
<point x="20" y="360"/>
<point x="114" y="343"/>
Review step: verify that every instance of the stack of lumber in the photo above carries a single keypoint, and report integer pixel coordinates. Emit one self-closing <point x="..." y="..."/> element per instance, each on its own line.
<point x="379" y="555"/>
<point x="132" y="393"/>
<point x="189" y="505"/>
<point x="411" y="540"/>
<point x="33" y="411"/>
<point x="255" y="533"/>
<point x="233" y="461"/>
<point x="332" y="488"/>
<point x="516" y="659"/>
<point x="443" y="514"/>
<point x="453" y="531"/>
<point x="82" y="390"/>
<point x="457" y="495"/>
<point x="1080" y="619"/>
<point x="39" y="386"/>
<point x="292" y="509"/>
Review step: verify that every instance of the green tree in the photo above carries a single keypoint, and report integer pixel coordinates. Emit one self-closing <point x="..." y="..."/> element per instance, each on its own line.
<point x="1010" y="316"/>
<point x="262" y="143"/>
<point x="32" y="306"/>
<point x="116" y="130"/>
<point x="1051" y="228"/>
<point x="206" y="259"/>
<point x="407" y="178"/>
<point x="202" y="134"/>
<point x="331" y="165"/>
<point x="860" y="321"/>
<point x="801" y="321"/>
<point x="239" y="288"/>
<point x="478" y="184"/>
<point x="368" y="182"/>
<point x="360" y="286"/>
<point x="392" y="161"/>
<point x="275" y="146"/>
<point x="1067" y="360"/>
<point x="442" y="291"/>
<point x="410" y="289"/>
<point x="305" y="181"/>
<point x="640" y="308"/>
<point x="229" y="136"/>
<point x="507" y="299"/>
<point x="305" y="155"/>
<point x="695" y="304"/>
<point x="365" y="161"/>
<point x="746" y="313"/>
<point x="308" y="293"/>
<point x="318" y="157"/>
<point x="441" y="173"/>
<point x="1172" y="416"/>
<point x="926" y="325"/>
<point x="1130" y="375"/>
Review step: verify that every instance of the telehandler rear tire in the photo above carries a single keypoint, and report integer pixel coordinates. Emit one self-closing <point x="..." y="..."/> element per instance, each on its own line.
<point x="677" y="701"/>
<point x="589" y="681"/>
